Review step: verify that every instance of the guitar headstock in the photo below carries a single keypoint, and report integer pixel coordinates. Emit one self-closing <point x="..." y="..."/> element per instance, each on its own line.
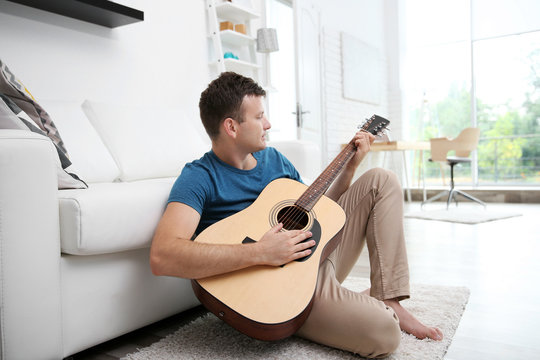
<point x="376" y="125"/>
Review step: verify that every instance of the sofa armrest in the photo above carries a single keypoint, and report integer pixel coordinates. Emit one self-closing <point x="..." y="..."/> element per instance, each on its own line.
<point x="29" y="248"/>
<point x="304" y="155"/>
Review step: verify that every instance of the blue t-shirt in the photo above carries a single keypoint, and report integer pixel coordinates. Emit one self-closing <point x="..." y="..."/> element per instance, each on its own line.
<point x="217" y="190"/>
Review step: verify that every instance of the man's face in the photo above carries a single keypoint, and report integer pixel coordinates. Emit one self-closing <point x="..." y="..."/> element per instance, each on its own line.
<point x="252" y="131"/>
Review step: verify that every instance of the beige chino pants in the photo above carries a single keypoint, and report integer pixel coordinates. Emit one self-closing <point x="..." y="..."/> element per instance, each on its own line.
<point x="348" y="320"/>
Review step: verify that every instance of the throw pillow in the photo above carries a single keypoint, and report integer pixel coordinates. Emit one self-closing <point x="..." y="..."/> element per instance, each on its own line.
<point x="22" y="104"/>
<point x="12" y="117"/>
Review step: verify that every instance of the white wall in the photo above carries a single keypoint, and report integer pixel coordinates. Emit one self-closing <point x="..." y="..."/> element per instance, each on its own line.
<point x="162" y="60"/>
<point x="369" y="22"/>
<point x="375" y="23"/>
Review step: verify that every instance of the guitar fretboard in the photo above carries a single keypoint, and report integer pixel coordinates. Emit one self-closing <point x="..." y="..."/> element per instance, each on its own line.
<point x="314" y="192"/>
<point x="374" y="125"/>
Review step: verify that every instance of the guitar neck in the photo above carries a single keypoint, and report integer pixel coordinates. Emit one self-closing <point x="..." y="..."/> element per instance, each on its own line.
<point x="314" y="192"/>
<point x="374" y="125"/>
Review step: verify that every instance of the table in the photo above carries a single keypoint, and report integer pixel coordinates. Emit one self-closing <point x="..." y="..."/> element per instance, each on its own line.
<point x="403" y="146"/>
<point x="400" y="145"/>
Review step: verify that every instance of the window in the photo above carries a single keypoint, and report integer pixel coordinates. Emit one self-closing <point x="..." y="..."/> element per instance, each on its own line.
<point x="507" y="78"/>
<point x="488" y="77"/>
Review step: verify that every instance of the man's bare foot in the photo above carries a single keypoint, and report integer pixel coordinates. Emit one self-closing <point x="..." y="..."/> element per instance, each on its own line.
<point x="411" y="325"/>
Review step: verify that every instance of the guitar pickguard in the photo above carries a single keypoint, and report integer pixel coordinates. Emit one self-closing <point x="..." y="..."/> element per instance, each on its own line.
<point x="316" y="235"/>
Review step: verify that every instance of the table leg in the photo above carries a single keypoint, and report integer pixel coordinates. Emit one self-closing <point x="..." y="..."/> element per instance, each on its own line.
<point x="423" y="169"/>
<point x="406" y="176"/>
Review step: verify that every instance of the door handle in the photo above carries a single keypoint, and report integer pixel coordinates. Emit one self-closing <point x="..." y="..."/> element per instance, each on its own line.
<point x="299" y="114"/>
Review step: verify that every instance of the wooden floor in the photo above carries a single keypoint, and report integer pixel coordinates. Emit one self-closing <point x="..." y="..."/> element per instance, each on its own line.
<point x="498" y="261"/>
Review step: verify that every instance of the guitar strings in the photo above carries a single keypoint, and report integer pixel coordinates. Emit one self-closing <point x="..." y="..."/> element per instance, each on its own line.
<point x="294" y="214"/>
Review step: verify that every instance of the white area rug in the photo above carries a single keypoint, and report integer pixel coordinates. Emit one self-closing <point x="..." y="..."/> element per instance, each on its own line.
<point x="463" y="215"/>
<point x="210" y="338"/>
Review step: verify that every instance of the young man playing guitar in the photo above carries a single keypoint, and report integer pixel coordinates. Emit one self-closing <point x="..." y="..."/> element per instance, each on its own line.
<point x="229" y="178"/>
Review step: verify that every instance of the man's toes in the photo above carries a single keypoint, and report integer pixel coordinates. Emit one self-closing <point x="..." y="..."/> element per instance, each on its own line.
<point x="435" y="334"/>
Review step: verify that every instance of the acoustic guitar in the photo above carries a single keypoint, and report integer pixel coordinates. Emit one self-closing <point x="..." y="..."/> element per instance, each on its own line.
<point x="272" y="302"/>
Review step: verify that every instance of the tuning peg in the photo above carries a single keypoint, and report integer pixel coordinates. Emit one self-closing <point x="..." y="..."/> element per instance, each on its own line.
<point x="382" y="133"/>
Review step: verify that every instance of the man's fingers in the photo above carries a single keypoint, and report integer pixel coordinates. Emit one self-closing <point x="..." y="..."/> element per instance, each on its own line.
<point x="301" y="236"/>
<point x="301" y="254"/>
<point x="360" y="136"/>
<point x="302" y="248"/>
<point x="277" y="228"/>
<point x="363" y="141"/>
<point x="305" y="245"/>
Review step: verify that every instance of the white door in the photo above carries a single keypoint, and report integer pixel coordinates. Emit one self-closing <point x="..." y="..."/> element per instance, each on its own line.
<point x="308" y="72"/>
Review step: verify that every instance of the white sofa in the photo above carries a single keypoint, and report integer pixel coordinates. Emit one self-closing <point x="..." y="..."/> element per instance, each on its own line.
<point x="74" y="263"/>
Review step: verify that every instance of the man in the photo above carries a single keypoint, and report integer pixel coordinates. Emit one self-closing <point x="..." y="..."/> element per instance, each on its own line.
<point x="229" y="178"/>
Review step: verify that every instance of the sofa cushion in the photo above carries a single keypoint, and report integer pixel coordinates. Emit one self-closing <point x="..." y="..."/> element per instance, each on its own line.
<point x="304" y="155"/>
<point x="111" y="217"/>
<point x="90" y="158"/>
<point x="147" y="142"/>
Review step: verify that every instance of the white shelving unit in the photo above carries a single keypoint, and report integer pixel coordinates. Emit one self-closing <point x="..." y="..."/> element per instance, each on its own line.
<point x="242" y="45"/>
<point x="235" y="38"/>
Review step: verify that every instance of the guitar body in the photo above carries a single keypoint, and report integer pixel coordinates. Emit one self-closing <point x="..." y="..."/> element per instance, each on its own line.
<point x="269" y="302"/>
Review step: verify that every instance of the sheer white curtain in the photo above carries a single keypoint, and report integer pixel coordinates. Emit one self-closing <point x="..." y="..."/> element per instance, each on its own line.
<point x="281" y="91"/>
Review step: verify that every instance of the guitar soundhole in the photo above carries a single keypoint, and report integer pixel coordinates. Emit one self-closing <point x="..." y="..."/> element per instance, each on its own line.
<point x="293" y="218"/>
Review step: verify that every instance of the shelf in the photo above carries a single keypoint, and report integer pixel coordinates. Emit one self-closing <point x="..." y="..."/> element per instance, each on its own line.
<point x="232" y="41"/>
<point x="238" y="66"/>
<point x="100" y="12"/>
<point x="231" y="11"/>
<point x="235" y="38"/>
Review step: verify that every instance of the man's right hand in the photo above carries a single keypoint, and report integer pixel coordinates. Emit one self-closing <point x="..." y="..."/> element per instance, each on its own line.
<point x="174" y="254"/>
<point x="278" y="247"/>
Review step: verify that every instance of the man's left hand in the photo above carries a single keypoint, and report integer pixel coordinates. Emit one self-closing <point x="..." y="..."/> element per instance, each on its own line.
<point x="363" y="141"/>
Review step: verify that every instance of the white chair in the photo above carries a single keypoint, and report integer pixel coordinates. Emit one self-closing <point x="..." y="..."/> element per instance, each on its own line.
<point x="463" y="145"/>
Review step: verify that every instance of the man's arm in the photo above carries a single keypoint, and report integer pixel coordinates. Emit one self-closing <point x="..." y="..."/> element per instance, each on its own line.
<point x="363" y="141"/>
<point x="174" y="254"/>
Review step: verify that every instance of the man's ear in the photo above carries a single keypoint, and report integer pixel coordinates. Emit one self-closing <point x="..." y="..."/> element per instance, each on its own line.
<point x="230" y="127"/>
